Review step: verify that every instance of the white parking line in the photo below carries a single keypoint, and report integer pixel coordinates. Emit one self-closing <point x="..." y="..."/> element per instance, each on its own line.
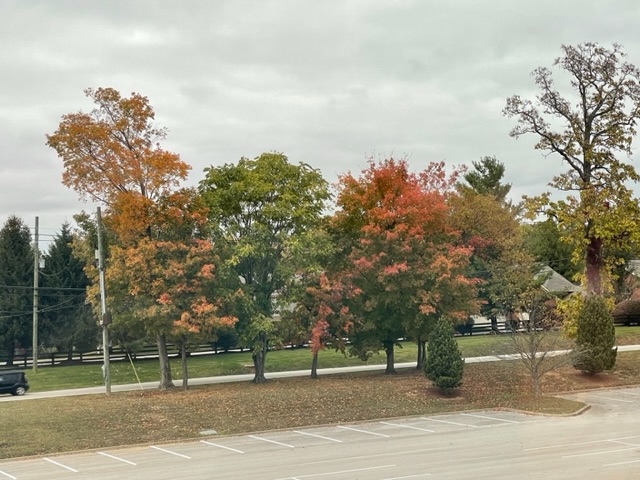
<point x="624" y="443"/>
<point x="337" y="472"/>
<point x="271" y="441"/>
<point x="612" y="399"/>
<point x="318" y="436"/>
<point x="621" y="463"/>
<point x="408" y="476"/>
<point x="578" y="444"/>
<point x="169" y="451"/>
<point x="7" y="475"/>
<point x="363" y="431"/>
<point x="450" y="423"/>
<point x="601" y="452"/>
<point x="61" y="465"/>
<point x="408" y="426"/>
<point x="115" y="458"/>
<point x="488" y="418"/>
<point x="221" y="446"/>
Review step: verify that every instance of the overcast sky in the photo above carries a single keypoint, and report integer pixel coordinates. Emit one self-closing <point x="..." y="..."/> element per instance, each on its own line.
<point x="329" y="83"/>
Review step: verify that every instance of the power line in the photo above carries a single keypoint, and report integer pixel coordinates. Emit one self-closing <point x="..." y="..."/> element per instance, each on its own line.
<point x="24" y="287"/>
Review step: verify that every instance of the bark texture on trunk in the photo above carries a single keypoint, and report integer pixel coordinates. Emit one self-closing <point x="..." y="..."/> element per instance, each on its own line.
<point x="314" y="365"/>
<point x="185" y="370"/>
<point x="594" y="263"/>
<point x="422" y="353"/>
<point x="389" y="350"/>
<point x="259" y="354"/>
<point x="165" y="369"/>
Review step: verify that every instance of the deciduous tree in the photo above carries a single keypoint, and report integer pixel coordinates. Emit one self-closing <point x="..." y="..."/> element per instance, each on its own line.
<point x="258" y="211"/>
<point x="588" y="129"/>
<point x="168" y="286"/>
<point x="405" y="267"/>
<point x="113" y="155"/>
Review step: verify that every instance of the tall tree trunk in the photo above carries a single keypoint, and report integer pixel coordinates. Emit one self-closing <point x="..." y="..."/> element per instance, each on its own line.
<point x="314" y="365"/>
<point x="594" y="263"/>
<point x="258" y="355"/>
<point x="388" y="348"/>
<point x="422" y="353"/>
<point x="165" y="369"/>
<point x="185" y="371"/>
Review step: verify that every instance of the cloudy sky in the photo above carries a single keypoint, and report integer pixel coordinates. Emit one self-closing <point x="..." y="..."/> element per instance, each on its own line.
<point x="329" y="83"/>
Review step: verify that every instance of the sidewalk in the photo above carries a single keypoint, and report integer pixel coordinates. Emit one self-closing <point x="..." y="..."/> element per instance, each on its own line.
<point x="248" y="377"/>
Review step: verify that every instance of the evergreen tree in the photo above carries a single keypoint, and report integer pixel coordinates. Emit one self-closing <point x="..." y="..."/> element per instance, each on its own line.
<point x="16" y="281"/>
<point x="444" y="364"/>
<point x="67" y="322"/>
<point x="596" y="339"/>
<point x="486" y="179"/>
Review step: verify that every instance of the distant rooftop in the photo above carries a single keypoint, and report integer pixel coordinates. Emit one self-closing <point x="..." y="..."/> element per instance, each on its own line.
<point x="556" y="283"/>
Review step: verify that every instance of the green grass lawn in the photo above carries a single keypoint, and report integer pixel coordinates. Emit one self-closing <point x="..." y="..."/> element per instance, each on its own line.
<point x="122" y="372"/>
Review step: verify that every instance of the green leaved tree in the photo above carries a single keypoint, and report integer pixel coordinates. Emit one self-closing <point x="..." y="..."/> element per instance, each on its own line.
<point x="259" y="212"/>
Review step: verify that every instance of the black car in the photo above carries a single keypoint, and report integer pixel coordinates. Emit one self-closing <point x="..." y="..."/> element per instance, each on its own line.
<point x="13" y="382"/>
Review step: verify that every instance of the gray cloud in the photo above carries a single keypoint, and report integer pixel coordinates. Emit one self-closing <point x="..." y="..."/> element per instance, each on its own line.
<point x="328" y="83"/>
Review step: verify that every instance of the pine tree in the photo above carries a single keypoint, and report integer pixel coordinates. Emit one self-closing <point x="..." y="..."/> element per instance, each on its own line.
<point x="595" y="341"/>
<point x="67" y="322"/>
<point x="444" y="364"/>
<point x="16" y="280"/>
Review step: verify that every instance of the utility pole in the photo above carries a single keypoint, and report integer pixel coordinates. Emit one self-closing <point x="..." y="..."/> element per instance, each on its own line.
<point x="36" y="266"/>
<point x="104" y="317"/>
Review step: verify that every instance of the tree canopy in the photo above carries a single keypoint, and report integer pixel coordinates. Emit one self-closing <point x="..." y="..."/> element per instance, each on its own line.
<point x="405" y="266"/>
<point x="259" y="211"/>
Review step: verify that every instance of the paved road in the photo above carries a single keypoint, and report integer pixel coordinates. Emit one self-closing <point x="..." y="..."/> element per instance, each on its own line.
<point x="602" y="444"/>
<point x="249" y="377"/>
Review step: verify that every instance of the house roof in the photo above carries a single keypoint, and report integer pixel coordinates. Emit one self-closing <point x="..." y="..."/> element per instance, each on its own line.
<point x="556" y="283"/>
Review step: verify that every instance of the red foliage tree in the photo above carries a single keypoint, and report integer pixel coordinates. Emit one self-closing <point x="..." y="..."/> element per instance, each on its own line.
<point x="406" y="266"/>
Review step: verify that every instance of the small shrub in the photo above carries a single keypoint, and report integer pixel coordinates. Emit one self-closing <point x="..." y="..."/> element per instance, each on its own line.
<point x="444" y="364"/>
<point x="595" y="339"/>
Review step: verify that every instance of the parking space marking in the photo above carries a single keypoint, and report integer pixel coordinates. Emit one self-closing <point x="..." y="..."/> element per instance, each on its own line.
<point x="363" y="431"/>
<point x="408" y="426"/>
<point x="60" y="465"/>
<point x="624" y="443"/>
<point x="450" y="423"/>
<point x="271" y="441"/>
<point x="318" y="436"/>
<point x="221" y="446"/>
<point x="364" y="469"/>
<point x="409" y="476"/>
<point x="7" y="475"/>
<point x="116" y="458"/>
<point x="169" y="451"/>
<point x="578" y="444"/>
<point x="621" y="463"/>
<point x="488" y="418"/>
<point x="601" y="452"/>
<point x="612" y="399"/>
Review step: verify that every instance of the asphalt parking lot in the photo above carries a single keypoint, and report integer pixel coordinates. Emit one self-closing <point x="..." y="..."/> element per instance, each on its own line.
<point x="600" y="444"/>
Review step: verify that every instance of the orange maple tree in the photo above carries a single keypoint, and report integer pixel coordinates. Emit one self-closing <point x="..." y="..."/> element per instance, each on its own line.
<point x="169" y="285"/>
<point x="112" y="155"/>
